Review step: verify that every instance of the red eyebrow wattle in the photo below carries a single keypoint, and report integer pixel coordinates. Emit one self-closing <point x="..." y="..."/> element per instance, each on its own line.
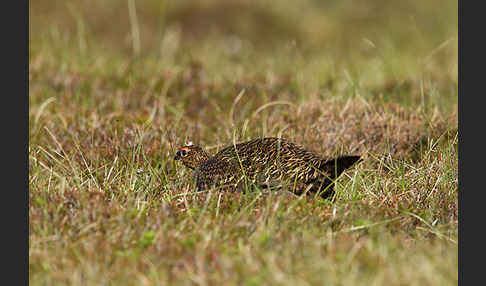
<point x="186" y="148"/>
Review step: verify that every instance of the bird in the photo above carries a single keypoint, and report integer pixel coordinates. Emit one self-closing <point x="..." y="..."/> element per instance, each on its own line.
<point x="264" y="162"/>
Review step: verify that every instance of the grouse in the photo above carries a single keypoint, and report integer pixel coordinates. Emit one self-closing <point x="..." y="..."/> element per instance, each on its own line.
<point x="264" y="162"/>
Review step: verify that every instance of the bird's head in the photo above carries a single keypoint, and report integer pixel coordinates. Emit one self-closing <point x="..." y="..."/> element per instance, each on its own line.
<point x="191" y="155"/>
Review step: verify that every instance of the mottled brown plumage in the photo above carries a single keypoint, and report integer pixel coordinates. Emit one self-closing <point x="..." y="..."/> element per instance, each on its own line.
<point x="264" y="162"/>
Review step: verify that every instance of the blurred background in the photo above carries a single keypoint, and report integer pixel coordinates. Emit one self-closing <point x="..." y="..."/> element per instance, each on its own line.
<point x="393" y="36"/>
<point x="192" y="58"/>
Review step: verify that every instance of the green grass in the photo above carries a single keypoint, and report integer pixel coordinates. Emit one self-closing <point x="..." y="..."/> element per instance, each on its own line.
<point x="112" y="97"/>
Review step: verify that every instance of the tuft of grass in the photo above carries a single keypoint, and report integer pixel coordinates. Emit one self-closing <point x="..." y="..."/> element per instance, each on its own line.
<point x="110" y="101"/>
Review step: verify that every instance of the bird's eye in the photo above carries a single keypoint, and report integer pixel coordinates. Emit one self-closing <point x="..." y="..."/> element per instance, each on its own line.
<point x="184" y="153"/>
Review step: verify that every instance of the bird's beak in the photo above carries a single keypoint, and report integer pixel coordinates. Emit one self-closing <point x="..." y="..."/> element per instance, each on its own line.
<point x="177" y="156"/>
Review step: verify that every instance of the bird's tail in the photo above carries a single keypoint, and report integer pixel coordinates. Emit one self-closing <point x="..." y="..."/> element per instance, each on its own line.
<point x="334" y="167"/>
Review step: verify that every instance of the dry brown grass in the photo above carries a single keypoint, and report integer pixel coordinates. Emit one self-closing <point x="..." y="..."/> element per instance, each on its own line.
<point x="108" y="205"/>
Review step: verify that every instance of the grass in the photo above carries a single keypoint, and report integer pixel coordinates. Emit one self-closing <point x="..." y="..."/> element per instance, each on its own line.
<point x="114" y="91"/>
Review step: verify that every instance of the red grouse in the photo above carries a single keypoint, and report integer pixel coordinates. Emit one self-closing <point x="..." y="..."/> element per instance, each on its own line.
<point x="264" y="162"/>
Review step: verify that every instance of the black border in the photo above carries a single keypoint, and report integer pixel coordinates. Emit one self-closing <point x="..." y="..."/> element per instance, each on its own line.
<point x="14" y="23"/>
<point x="471" y="124"/>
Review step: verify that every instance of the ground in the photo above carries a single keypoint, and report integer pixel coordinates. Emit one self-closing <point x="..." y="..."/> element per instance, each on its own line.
<point x="116" y="87"/>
